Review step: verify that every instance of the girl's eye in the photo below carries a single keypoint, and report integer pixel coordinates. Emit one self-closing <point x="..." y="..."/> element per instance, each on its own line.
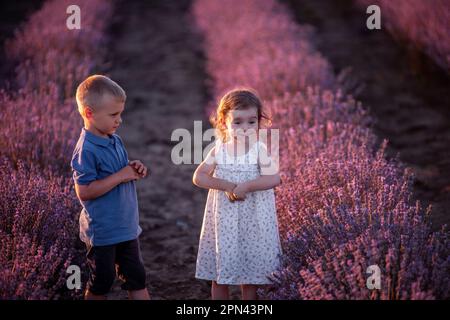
<point x="237" y="123"/>
<point x="252" y="122"/>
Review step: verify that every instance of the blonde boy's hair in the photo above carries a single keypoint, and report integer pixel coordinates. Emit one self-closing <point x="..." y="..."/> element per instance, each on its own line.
<point x="91" y="91"/>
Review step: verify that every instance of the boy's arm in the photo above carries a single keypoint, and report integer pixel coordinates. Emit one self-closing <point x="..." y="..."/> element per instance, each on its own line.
<point x="85" y="175"/>
<point x="203" y="176"/>
<point x="98" y="188"/>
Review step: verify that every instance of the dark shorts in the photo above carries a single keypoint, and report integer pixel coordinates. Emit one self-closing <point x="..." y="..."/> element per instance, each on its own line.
<point x="123" y="258"/>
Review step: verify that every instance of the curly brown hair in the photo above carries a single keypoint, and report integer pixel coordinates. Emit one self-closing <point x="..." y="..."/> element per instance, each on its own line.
<point x="237" y="99"/>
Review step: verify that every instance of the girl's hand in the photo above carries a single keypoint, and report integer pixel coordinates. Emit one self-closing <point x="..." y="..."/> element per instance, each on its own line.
<point x="229" y="192"/>
<point x="240" y="191"/>
<point x="231" y="196"/>
<point x="139" y="167"/>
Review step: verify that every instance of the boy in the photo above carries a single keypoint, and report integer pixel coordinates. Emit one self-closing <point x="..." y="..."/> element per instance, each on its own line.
<point x="104" y="184"/>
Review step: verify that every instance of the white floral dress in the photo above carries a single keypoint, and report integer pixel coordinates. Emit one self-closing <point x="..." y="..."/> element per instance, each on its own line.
<point x="239" y="241"/>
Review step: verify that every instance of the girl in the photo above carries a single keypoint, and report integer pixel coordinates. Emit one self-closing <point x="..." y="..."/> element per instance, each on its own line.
<point x="239" y="241"/>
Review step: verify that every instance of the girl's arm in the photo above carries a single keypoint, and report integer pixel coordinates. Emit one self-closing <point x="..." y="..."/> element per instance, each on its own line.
<point x="203" y="176"/>
<point x="262" y="183"/>
<point x="269" y="178"/>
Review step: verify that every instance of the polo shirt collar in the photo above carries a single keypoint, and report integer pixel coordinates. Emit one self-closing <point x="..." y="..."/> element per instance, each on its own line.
<point x="94" y="138"/>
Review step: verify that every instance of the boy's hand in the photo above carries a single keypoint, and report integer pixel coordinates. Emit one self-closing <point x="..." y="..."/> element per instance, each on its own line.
<point x="139" y="167"/>
<point x="128" y="174"/>
<point x="240" y="191"/>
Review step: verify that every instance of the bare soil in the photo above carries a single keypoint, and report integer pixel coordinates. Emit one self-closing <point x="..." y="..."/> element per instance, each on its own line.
<point x="157" y="58"/>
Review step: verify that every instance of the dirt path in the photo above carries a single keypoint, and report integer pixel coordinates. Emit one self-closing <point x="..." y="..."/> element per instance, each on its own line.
<point x="159" y="62"/>
<point x="404" y="91"/>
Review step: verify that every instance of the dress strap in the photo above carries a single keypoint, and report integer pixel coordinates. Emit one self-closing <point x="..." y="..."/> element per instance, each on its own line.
<point x="220" y="152"/>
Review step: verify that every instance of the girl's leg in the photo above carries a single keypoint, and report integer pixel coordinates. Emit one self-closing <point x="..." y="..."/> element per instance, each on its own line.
<point x="219" y="291"/>
<point x="90" y="296"/>
<point x="138" y="294"/>
<point x="249" y="292"/>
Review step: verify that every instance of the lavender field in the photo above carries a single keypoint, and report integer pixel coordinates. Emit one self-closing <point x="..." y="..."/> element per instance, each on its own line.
<point x="39" y="129"/>
<point x="361" y="186"/>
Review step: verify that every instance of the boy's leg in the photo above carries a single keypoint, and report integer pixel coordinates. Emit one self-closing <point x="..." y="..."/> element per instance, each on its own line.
<point x="130" y="269"/>
<point x="219" y="291"/>
<point x="249" y="292"/>
<point x="100" y="261"/>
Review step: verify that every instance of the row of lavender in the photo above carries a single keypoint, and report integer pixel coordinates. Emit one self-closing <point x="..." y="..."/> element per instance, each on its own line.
<point x="342" y="206"/>
<point x="423" y="24"/>
<point x="38" y="210"/>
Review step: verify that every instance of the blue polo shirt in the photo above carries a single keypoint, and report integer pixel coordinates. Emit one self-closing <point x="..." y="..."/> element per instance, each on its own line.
<point x="114" y="216"/>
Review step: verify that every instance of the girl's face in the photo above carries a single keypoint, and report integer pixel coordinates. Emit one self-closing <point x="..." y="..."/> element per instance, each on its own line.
<point x="242" y="122"/>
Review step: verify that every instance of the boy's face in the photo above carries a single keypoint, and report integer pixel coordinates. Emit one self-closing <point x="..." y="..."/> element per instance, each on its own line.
<point x="106" y="117"/>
